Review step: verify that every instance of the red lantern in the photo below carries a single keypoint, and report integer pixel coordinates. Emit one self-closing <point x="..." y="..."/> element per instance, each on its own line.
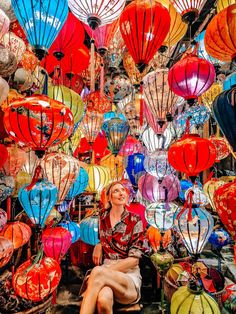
<point x="56" y="242"/>
<point x="3" y="134"/>
<point x="100" y="146"/>
<point x="96" y="101"/>
<point x="137" y="208"/>
<point x="222" y="147"/>
<point x="17" y="232"/>
<point x="191" y="77"/>
<point x="18" y="31"/>
<point x="38" y="122"/>
<point x="192" y="154"/>
<point x="220" y="37"/>
<point x="35" y="281"/>
<point x="70" y="37"/>
<point x="225" y="204"/>
<point x="6" y="251"/>
<point x="144" y="26"/>
<point x="74" y="82"/>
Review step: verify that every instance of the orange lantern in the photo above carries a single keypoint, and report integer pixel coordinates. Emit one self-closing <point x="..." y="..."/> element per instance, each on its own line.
<point x="17" y="232"/>
<point x="96" y="101"/>
<point x="12" y="96"/>
<point x="115" y="164"/>
<point x="29" y="61"/>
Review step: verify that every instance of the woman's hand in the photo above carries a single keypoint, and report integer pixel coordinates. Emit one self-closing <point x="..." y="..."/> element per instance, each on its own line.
<point x="97" y="254"/>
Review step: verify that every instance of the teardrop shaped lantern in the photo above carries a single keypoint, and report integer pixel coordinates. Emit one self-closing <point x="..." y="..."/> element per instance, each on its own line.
<point x="95" y="13"/>
<point x="38" y="122"/>
<point x="154" y="141"/>
<point x="91" y="125"/>
<point x="191" y="76"/>
<point x="135" y="168"/>
<point x="144" y="26"/>
<point x="99" y="177"/>
<point x="188" y="9"/>
<point x="41" y="21"/>
<point x="115" y="164"/>
<point x="79" y="185"/>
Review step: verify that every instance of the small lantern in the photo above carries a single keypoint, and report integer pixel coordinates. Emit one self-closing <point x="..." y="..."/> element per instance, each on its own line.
<point x="154" y="141"/>
<point x="89" y="230"/>
<point x="99" y="177"/>
<point x="17" y="232"/>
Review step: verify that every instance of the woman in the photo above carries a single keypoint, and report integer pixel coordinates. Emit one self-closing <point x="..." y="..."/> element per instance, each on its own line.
<point x="121" y="244"/>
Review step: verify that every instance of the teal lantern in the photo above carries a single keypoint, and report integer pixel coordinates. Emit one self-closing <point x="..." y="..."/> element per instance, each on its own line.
<point x="72" y="227"/>
<point x="89" y="230"/>
<point x="78" y="186"/>
<point x="41" y="21"/>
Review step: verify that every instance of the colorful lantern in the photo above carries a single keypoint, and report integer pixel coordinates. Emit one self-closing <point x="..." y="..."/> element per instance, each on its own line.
<point x="137" y="208"/>
<point x="199" y="197"/>
<point x="11" y="96"/>
<point x="130" y="146"/>
<point x="210" y="187"/>
<point x="195" y="226"/>
<point x="225" y="204"/>
<point x="15" y="161"/>
<point x="115" y="52"/>
<point x="89" y="230"/>
<point x="191" y="76"/>
<point x="189" y="10"/>
<point x="191" y="154"/>
<point x="162" y="261"/>
<point x="225" y="114"/>
<point x="100" y="146"/>
<point x="79" y="185"/>
<point x="76" y="82"/>
<point x="70" y="145"/>
<point x="91" y="125"/>
<point x="3" y="155"/>
<point x="38" y="122"/>
<point x="56" y="242"/>
<point x="18" y="30"/>
<point x="36" y="280"/>
<point x="154" y="142"/>
<point x="6" y="251"/>
<point x="222" y="4"/>
<point x="15" y="45"/>
<point x="160" y="216"/>
<point x="115" y="164"/>
<point x="22" y="80"/>
<point x="197" y="116"/>
<point x="221" y="44"/>
<point x="4" y="90"/>
<point x="222" y="147"/>
<point x="154" y="190"/>
<point x="135" y="168"/>
<point x="17" y="232"/>
<point x="219" y="238"/>
<point x="61" y="170"/>
<point x="144" y="26"/>
<point x="191" y="299"/>
<point x="96" y="101"/>
<point x="99" y="177"/>
<point x="7" y="185"/>
<point x="209" y="96"/>
<point x="117" y="87"/>
<point x="69" y="98"/>
<point x="54" y="218"/>
<point x="73" y="228"/>
<point x="3" y="218"/>
<point x="29" y="61"/>
<point x="158" y="95"/>
<point x="229" y="299"/>
<point x="41" y="32"/>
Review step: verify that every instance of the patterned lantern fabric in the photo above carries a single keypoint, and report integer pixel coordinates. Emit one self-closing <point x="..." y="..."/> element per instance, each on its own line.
<point x="199" y="197"/>
<point x="15" y="44"/>
<point x="35" y="281"/>
<point x="208" y="97"/>
<point x="79" y="184"/>
<point x="29" y="61"/>
<point x="222" y="147"/>
<point x="229" y="298"/>
<point x="5" y="5"/>
<point x="15" y="161"/>
<point x="17" y="232"/>
<point x="91" y="125"/>
<point x="118" y="87"/>
<point x="8" y="63"/>
<point x="210" y="187"/>
<point x="130" y="146"/>
<point x="7" y="185"/>
<point x="95" y="101"/>
<point x="6" y="251"/>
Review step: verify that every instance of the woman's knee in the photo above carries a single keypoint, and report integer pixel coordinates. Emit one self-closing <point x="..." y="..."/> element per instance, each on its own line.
<point x="105" y="300"/>
<point x="97" y="276"/>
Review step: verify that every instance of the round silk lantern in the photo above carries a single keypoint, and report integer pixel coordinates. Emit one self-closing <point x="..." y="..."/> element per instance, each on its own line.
<point x="195" y="226"/>
<point x="130" y="146"/>
<point x="79" y="185"/>
<point x="144" y="26"/>
<point x="38" y="198"/>
<point x="4" y="90"/>
<point x="99" y="177"/>
<point x="14" y="44"/>
<point x="219" y="238"/>
<point x="229" y="298"/>
<point x="137" y="208"/>
<point x="209" y="189"/>
<point x="162" y="260"/>
<point x="16" y="159"/>
<point x="161" y="216"/>
<point x="154" y="141"/>
<point x="17" y="232"/>
<point x="22" y="79"/>
<point x="91" y="125"/>
<point x="36" y="280"/>
<point x="96" y="101"/>
<point x="56" y="242"/>
<point x="38" y="122"/>
<point x="225" y="204"/>
<point x="221" y="45"/>
<point x="222" y="147"/>
<point x="29" y="61"/>
<point x="6" y="251"/>
<point x="117" y="87"/>
<point x="135" y="168"/>
<point x="73" y="228"/>
<point x="3" y="218"/>
<point x="89" y="230"/>
<point x="61" y="170"/>
<point x="192" y="154"/>
<point x="191" y="299"/>
<point x="7" y="185"/>
<point x="191" y="77"/>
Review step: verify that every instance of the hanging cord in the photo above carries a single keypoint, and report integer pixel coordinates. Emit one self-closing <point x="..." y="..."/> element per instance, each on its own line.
<point x="92" y="66"/>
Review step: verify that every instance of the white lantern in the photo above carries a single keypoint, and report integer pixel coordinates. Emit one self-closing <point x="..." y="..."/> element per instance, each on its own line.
<point x="154" y="141"/>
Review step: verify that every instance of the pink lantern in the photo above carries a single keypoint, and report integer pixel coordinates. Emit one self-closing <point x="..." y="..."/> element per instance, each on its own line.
<point x="130" y="146"/>
<point x="151" y="121"/>
<point x="139" y="209"/>
<point x="154" y="190"/>
<point x="56" y="242"/>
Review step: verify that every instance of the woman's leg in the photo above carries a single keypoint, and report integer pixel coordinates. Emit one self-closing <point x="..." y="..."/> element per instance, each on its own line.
<point x="121" y="284"/>
<point x="105" y="301"/>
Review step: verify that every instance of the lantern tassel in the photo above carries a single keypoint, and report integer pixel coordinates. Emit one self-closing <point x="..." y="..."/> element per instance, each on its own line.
<point x="8" y="209"/>
<point x="141" y="105"/>
<point x="102" y="79"/>
<point x="35" y="178"/>
<point x="92" y="66"/>
<point x="235" y="254"/>
<point x="54" y="297"/>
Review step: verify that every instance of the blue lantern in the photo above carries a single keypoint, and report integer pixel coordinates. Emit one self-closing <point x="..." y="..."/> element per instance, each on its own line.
<point x="219" y="238"/>
<point x="89" y="230"/>
<point x="41" y="21"/>
<point x="112" y="114"/>
<point x="38" y="200"/>
<point x="74" y="229"/>
<point x="229" y="82"/>
<point x="79" y="185"/>
<point x="135" y="168"/>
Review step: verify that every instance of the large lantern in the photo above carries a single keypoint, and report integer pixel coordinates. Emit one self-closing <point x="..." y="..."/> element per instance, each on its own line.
<point x="209" y="189"/>
<point x="95" y="13"/>
<point x="15" y="45"/>
<point x="220" y="37"/>
<point x="17" y="232"/>
<point x="130" y="146"/>
<point x="192" y="154"/>
<point x="191" y="76"/>
<point x="41" y="21"/>
<point x="144" y="26"/>
<point x="99" y="177"/>
<point x="117" y="87"/>
<point x="36" y="280"/>
<point x="56" y="242"/>
<point x="195" y="226"/>
<point x="38" y="122"/>
<point x="135" y="168"/>
<point x="6" y="251"/>
<point x="89" y="230"/>
<point x="188" y="9"/>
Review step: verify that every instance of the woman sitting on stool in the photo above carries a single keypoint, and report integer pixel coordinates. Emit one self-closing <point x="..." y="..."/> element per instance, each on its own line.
<point x="121" y="244"/>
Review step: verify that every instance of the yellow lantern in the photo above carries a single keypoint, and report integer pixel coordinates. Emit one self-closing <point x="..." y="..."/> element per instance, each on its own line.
<point x="99" y="177"/>
<point x="208" y="97"/>
<point x="115" y="165"/>
<point x="187" y="300"/>
<point x="21" y="179"/>
<point x="209" y="189"/>
<point x="222" y="4"/>
<point x="12" y="96"/>
<point x="69" y="98"/>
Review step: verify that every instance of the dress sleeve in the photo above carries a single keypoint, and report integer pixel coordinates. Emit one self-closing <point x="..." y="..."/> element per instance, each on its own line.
<point x="136" y="247"/>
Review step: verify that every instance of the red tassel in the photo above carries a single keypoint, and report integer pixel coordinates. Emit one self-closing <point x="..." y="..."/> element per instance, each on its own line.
<point x="37" y="173"/>
<point x="235" y="254"/>
<point x="209" y="177"/>
<point x="54" y="297"/>
<point x="141" y="104"/>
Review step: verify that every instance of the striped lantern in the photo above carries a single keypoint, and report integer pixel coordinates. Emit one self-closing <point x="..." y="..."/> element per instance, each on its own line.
<point x="17" y="232"/>
<point x="154" y="141"/>
<point x="89" y="230"/>
<point x="99" y="177"/>
<point x="91" y="125"/>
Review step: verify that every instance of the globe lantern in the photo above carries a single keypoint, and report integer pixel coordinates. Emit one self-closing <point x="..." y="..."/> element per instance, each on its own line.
<point x="220" y="35"/>
<point x="72" y="227"/>
<point x="35" y="280"/>
<point x="41" y="32"/>
<point x="89" y="230"/>
<point x="195" y="226"/>
<point x="135" y="168"/>
<point x="189" y="10"/>
<point x="209" y="189"/>
<point x="6" y="251"/>
<point x="191" y="76"/>
<point x="4" y="23"/>
<point x="144" y="26"/>
<point x="191" y="155"/>
<point x="99" y="177"/>
<point x="91" y="125"/>
<point x="154" y="141"/>
<point x="17" y="232"/>
<point x="22" y="79"/>
<point x="38" y="122"/>
<point x="117" y="87"/>
<point x="115" y="164"/>
<point x="56" y="242"/>
<point x="130" y="146"/>
<point x="79" y="185"/>
<point x="222" y="147"/>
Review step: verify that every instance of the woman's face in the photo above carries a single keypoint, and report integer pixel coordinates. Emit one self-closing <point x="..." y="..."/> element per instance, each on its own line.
<point x="118" y="195"/>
